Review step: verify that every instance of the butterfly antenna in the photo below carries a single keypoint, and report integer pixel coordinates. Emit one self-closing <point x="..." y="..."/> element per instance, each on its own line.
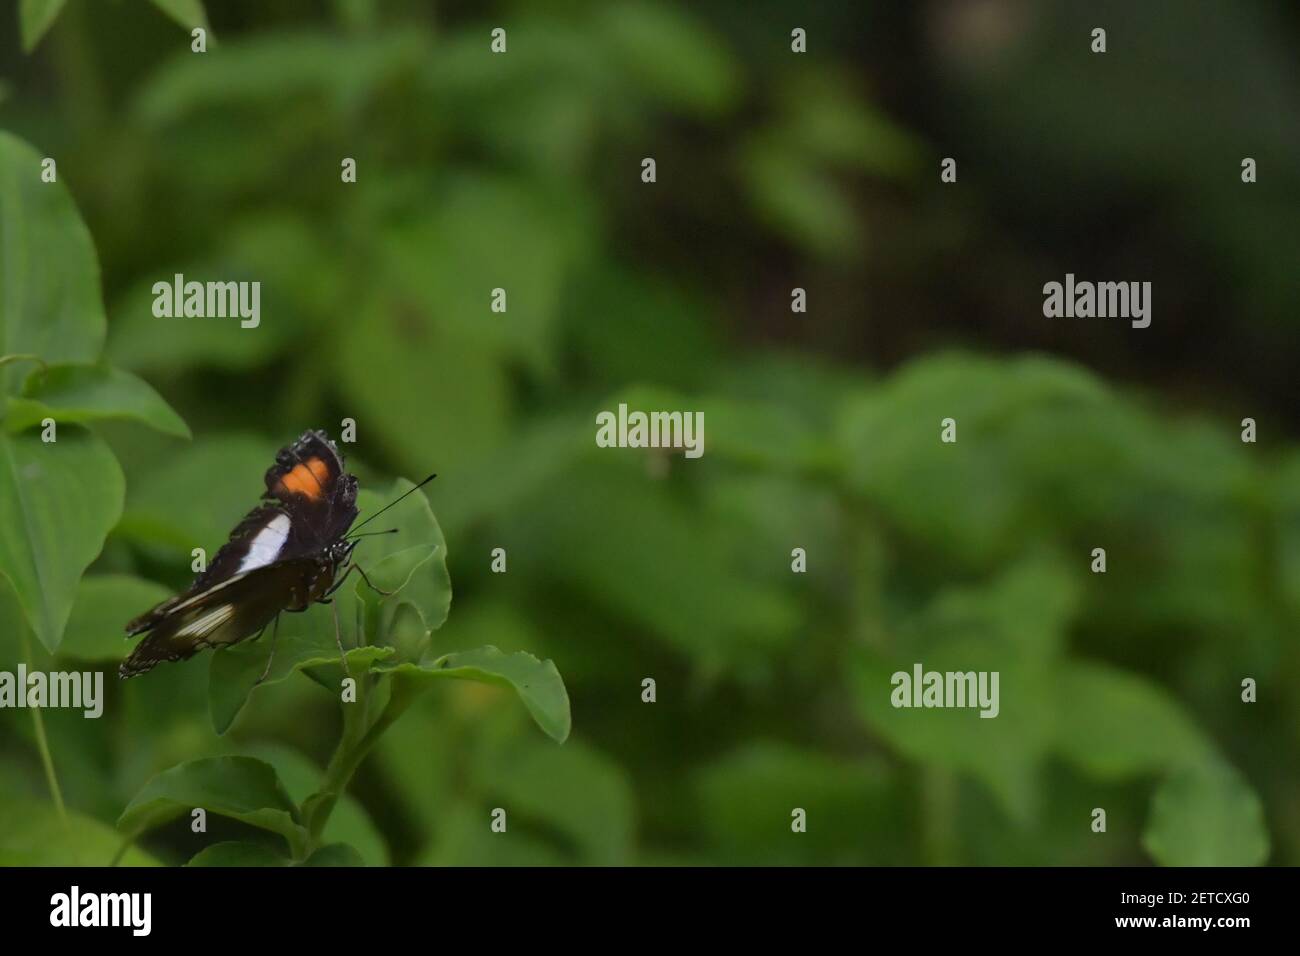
<point x="371" y="534"/>
<point x="393" y="502"/>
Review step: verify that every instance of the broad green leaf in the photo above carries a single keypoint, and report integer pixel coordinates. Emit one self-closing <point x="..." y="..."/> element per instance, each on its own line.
<point x="89" y="393"/>
<point x="1015" y="627"/>
<point x="1116" y="724"/>
<point x="50" y="302"/>
<point x="235" y="853"/>
<point x="61" y="498"/>
<point x="96" y="630"/>
<point x="422" y="368"/>
<point x="411" y="563"/>
<point x="284" y="254"/>
<point x="241" y="788"/>
<point x="234" y="672"/>
<point x="537" y="683"/>
<point x="35" y="17"/>
<point x="349" y="823"/>
<point x="1206" y="816"/>
<point x="33" y="834"/>
<point x="335" y="854"/>
<point x="614" y="556"/>
<point x="485" y="233"/>
<point x="188" y="13"/>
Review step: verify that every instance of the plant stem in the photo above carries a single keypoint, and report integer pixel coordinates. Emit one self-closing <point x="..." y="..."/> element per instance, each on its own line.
<point x="43" y="744"/>
<point x="351" y="751"/>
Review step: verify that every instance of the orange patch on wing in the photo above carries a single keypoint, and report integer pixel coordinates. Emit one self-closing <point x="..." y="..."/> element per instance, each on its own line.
<point x="307" y="479"/>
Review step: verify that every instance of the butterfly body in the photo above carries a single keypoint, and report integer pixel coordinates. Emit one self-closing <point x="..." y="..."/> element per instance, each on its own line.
<point x="285" y="555"/>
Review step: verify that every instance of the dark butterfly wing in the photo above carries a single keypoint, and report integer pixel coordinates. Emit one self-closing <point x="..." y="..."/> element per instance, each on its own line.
<point x="225" y="614"/>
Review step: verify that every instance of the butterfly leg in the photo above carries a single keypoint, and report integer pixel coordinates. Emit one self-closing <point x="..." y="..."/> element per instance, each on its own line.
<point x="370" y="584"/>
<point x="338" y="639"/>
<point x="275" y="631"/>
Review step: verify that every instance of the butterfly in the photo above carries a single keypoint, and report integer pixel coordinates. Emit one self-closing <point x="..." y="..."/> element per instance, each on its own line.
<point x="290" y="552"/>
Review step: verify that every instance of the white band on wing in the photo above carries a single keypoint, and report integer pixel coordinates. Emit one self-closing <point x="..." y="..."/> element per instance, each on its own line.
<point x="266" y="544"/>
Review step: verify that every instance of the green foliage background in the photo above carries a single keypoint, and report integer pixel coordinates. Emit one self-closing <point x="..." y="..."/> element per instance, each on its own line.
<point x="521" y="171"/>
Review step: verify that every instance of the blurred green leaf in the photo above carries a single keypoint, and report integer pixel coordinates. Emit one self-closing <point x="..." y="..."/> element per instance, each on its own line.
<point x="747" y="796"/>
<point x="233" y="853"/>
<point x="335" y="854"/>
<point x="96" y="629"/>
<point x="49" y="274"/>
<point x="669" y="57"/>
<point x="33" y="834"/>
<point x="188" y="13"/>
<point x="574" y="789"/>
<point x="390" y="360"/>
<point x="605" y="528"/>
<point x="1118" y="724"/>
<point x="36" y="17"/>
<point x="480" y="234"/>
<point x="281" y="252"/>
<point x="61" y="499"/>
<point x="466" y="839"/>
<point x="272" y="69"/>
<point x="241" y="788"/>
<point x="177" y="504"/>
<point x="799" y="200"/>
<point x="1206" y="816"/>
<point x="537" y="683"/>
<point x="1014" y="627"/>
<point x="79" y="394"/>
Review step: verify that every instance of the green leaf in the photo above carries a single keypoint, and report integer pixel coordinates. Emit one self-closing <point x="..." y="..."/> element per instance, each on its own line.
<point x="96" y="629"/>
<point x="412" y="564"/>
<point x="1014" y="627"/>
<point x="235" y="853"/>
<point x="613" y="557"/>
<point x="234" y="671"/>
<point x="61" y="499"/>
<point x="90" y="393"/>
<point x="423" y="368"/>
<point x="349" y="823"/>
<point x="188" y="13"/>
<point x="284" y="254"/>
<point x="335" y="854"/>
<point x="1118" y="724"/>
<point x="537" y="683"/>
<point x="1206" y="816"/>
<point x="50" y="302"/>
<point x="35" y="18"/>
<point x="241" y="788"/>
<point x="33" y="834"/>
